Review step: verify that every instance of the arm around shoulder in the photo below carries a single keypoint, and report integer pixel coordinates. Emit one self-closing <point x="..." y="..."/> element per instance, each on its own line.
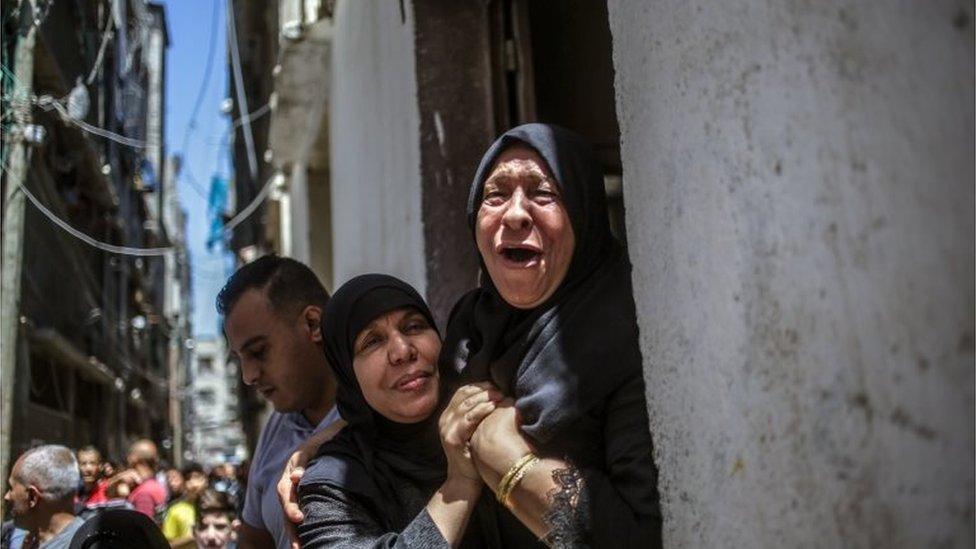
<point x="334" y="518"/>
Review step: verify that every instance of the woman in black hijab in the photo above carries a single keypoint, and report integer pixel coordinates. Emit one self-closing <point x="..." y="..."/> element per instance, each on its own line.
<point x="394" y="476"/>
<point x="554" y="327"/>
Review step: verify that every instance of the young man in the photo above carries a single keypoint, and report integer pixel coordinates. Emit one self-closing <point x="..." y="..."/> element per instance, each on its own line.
<point x="145" y="493"/>
<point x="180" y="516"/>
<point x="215" y="524"/>
<point x="272" y="316"/>
<point x="94" y="488"/>
<point x="43" y="485"/>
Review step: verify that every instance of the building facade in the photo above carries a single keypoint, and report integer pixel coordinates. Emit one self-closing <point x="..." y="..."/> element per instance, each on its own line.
<point x="88" y="334"/>
<point x="212" y="413"/>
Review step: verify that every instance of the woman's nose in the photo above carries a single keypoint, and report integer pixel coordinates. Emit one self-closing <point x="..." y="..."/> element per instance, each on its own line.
<point x="516" y="214"/>
<point x="401" y="350"/>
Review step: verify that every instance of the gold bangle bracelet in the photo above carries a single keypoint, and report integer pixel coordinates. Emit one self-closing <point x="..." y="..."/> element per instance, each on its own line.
<point x="507" y="477"/>
<point x="514" y="476"/>
<point x="517" y="479"/>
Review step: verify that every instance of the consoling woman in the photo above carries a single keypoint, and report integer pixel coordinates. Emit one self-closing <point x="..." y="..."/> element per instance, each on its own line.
<point x="399" y="474"/>
<point x="553" y="326"/>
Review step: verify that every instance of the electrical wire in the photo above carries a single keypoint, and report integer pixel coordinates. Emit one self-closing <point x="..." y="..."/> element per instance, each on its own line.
<point x="45" y="100"/>
<point x="104" y="246"/>
<point x="250" y="208"/>
<point x="239" y="88"/>
<point x="106" y="34"/>
<point x="128" y="250"/>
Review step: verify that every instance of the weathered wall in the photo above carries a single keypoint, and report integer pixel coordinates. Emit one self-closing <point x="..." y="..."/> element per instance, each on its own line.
<point x="799" y="188"/>
<point x="375" y="134"/>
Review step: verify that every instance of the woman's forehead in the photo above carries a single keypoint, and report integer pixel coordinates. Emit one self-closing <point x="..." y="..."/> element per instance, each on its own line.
<point x="519" y="158"/>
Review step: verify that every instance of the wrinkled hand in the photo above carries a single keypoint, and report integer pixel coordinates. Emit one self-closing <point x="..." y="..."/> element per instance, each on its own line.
<point x="497" y="443"/>
<point x="469" y="405"/>
<point x="294" y="469"/>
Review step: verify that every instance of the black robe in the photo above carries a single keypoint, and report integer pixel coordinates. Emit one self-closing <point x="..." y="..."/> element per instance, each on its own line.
<point x="572" y="364"/>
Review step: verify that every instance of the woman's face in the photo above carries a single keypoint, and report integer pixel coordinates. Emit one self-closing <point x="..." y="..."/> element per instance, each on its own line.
<point x="395" y="364"/>
<point x="523" y="230"/>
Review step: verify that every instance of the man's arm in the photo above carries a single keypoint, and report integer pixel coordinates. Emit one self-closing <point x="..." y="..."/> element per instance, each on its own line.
<point x="250" y="537"/>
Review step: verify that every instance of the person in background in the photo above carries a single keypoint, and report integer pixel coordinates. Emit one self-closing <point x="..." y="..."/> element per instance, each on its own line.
<point x="180" y="516"/>
<point x="216" y="521"/>
<point x="43" y="485"/>
<point x="94" y="488"/>
<point x="109" y="468"/>
<point x="174" y="484"/>
<point x="272" y="311"/>
<point x="145" y="493"/>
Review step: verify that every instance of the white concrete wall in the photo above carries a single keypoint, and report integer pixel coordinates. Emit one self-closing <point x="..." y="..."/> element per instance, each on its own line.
<point x="374" y="129"/>
<point x="798" y="181"/>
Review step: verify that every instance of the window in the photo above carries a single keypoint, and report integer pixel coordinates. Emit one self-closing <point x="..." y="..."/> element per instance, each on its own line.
<point x="205" y="365"/>
<point x="206" y="397"/>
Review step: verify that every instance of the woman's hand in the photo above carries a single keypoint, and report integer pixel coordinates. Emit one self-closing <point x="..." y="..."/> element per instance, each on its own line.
<point x="294" y="469"/>
<point x="468" y="407"/>
<point x="497" y="443"/>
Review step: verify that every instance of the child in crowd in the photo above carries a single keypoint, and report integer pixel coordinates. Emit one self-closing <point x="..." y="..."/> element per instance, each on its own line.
<point x="216" y="521"/>
<point x="180" y="516"/>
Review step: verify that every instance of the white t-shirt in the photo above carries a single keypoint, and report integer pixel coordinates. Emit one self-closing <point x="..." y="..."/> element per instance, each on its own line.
<point x="281" y="435"/>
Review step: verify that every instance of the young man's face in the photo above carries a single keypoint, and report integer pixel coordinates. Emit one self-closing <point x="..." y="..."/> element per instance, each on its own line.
<point x="281" y="357"/>
<point x="194" y="484"/>
<point x="213" y="531"/>
<point x="90" y="465"/>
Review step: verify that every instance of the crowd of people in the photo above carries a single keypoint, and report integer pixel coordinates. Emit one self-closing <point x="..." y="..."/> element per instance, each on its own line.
<point x="522" y="423"/>
<point x="59" y="499"/>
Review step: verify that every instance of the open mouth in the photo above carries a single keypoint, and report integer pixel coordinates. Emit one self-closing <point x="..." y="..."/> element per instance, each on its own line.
<point x="520" y="256"/>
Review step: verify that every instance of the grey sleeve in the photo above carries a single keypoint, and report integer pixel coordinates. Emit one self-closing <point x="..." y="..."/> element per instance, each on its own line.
<point x="251" y="514"/>
<point x="617" y="506"/>
<point x="334" y="518"/>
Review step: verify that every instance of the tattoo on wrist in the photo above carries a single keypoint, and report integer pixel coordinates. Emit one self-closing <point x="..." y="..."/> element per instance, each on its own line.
<point x="568" y="514"/>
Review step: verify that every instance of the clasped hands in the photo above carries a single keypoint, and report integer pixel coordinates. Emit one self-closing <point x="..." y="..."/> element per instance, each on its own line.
<point x="480" y="434"/>
<point x="479" y="431"/>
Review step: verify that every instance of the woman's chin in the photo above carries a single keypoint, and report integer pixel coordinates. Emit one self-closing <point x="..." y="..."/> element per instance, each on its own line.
<point x="419" y="409"/>
<point x="514" y="293"/>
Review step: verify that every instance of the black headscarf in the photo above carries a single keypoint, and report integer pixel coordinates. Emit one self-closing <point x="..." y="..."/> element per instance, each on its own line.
<point x="373" y="456"/>
<point x="563" y="358"/>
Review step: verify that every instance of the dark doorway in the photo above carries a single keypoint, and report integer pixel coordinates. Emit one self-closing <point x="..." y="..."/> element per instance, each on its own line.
<point x="552" y="62"/>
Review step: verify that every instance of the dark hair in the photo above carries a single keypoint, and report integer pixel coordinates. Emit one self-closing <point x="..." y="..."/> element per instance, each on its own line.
<point x="192" y="467"/>
<point x="90" y="449"/>
<point x="213" y="501"/>
<point x="290" y="285"/>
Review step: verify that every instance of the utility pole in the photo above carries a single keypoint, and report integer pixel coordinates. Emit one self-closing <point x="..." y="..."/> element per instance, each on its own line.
<point x="13" y="237"/>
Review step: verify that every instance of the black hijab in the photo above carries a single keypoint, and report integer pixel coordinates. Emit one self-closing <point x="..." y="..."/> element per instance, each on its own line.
<point x="562" y="359"/>
<point x="373" y="456"/>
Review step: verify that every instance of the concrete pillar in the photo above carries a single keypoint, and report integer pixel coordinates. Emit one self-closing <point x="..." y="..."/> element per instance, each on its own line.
<point x="799" y="193"/>
<point x="374" y="129"/>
